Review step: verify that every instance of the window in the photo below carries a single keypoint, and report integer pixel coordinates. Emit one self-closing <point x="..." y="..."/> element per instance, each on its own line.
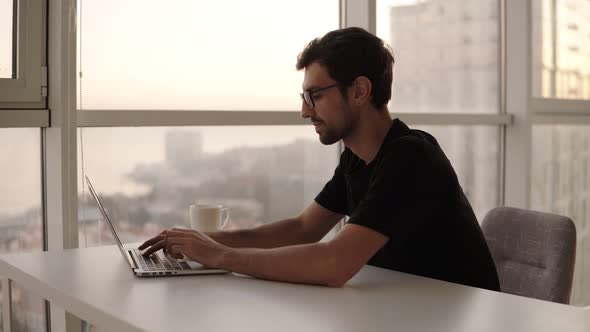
<point x="6" y="38"/>
<point x="196" y="55"/>
<point x="560" y="87"/>
<point x="446" y="54"/>
<point x="561" y="184"/>
<point x="20" y="215"/>
<point x="148" y="177"/>
<point x="20" y="198"/>
<point x="561" y="49"/>
<point x="22" y="33"/>
<point x="239" y="56"/>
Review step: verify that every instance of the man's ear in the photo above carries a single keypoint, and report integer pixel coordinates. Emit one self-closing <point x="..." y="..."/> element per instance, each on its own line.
<point x="361" y="90"/>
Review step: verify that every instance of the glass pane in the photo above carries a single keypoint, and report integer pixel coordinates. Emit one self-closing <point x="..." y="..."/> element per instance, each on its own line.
<point x="6" y="32"/>
<point x="20" y="198"/>
<point x="28" y="310"/>
<point x="473" y="152"/>
<point x="198" y="55"/>
<point x="20" y="214"/>
<point x="446" y="54"/>
<point x="561" y="49"/>
<point x="148" y="177"/>
<point x="561" y="184"/>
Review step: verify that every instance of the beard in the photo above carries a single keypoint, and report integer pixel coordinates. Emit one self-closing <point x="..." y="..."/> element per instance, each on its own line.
<point x="330" y="136"/>
<point x="333" y="134"/>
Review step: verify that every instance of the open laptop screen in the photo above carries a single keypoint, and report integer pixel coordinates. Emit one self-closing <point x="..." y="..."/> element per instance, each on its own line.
<point x="107" y="220"/>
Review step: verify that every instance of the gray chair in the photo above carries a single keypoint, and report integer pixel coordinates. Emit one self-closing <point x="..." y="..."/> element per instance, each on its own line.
<point x="534" y="252"/>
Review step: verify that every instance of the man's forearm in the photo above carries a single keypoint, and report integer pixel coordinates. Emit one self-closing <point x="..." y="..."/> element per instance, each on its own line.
<point x="315" y="263"/>
<point x="277" y="234"/>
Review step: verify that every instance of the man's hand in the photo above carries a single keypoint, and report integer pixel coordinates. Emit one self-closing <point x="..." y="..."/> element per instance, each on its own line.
<point x="159" y="238"/>
<point x="192" y="244"/>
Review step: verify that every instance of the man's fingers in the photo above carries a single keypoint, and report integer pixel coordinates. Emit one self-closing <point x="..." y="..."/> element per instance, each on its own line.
<point x="177" y="250"/>
<point x="166" y="239"/>
<point x="159" y="245"/>
<point x="149" y="242"/>
<point x="172" y="241"/>
<point x="184" y="230"/>
<point x="183" y="234"/>
<point x="153" y="240"/>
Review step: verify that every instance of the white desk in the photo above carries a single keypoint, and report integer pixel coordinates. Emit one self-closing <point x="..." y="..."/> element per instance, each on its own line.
<point x="96" y="285"/>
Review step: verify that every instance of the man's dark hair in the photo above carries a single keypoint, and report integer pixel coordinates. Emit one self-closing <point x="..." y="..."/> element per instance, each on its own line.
<point x="349" y="53"/>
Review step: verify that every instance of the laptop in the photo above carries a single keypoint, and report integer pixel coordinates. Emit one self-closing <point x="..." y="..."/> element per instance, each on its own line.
<point x="158" y="264"/>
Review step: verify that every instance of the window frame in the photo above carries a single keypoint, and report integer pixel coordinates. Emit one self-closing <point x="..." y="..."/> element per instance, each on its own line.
<point x="30" y="85"/>
<point x="59" y="118"/>
<point x="23" y="99"/>
<point x="555" y="112"/>
<point x="352" y="13"/>
<point x="65" y="117"/>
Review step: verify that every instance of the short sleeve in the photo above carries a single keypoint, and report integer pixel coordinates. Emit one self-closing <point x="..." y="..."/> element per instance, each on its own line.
<point x="397" y="192"/>
<point x="333" y="195"/>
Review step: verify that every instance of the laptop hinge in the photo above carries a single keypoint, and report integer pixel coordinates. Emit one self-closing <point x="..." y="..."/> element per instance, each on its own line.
<point x="131" y="259"/>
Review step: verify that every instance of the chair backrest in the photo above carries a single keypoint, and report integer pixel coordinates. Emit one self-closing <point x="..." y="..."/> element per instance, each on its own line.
<point x="534" y="252"/>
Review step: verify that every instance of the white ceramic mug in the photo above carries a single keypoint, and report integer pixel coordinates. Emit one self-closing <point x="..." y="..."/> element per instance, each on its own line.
<point x="208" y="217"/>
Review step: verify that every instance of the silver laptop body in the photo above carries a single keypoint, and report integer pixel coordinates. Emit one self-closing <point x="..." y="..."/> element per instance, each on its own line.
<point x="158" y="264"/>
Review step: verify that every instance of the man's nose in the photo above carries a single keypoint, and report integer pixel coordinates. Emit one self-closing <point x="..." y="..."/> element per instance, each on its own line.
<point x="306" y="111"/>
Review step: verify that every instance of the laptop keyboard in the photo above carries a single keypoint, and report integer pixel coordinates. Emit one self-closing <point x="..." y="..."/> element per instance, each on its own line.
<point x="159" y="262"/>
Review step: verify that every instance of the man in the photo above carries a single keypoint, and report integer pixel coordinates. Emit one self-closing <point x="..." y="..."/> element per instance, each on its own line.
<point x="407" y="210"/>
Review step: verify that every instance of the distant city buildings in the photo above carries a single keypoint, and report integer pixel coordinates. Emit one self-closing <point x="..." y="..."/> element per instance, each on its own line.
<point x="447" y="56"/>
<point x="183" y="148"/>
<point x="561" y="49"/>
<point x="258" y="184"/>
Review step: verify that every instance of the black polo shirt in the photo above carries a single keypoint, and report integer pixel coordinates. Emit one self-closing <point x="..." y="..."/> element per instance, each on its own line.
<point x="410" y="193"/>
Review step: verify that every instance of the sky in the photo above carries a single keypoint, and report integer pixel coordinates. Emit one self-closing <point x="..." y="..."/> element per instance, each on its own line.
<point x="208" y="55"/>
<point x="5" y="38"/>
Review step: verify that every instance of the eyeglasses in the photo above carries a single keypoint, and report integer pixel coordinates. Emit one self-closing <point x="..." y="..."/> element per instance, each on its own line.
<point x="307" y="96"/>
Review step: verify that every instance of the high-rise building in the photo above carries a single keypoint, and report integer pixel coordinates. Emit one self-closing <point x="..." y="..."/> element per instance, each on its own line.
<point x="561" y="49"/>
<point x="447" y="56"/>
